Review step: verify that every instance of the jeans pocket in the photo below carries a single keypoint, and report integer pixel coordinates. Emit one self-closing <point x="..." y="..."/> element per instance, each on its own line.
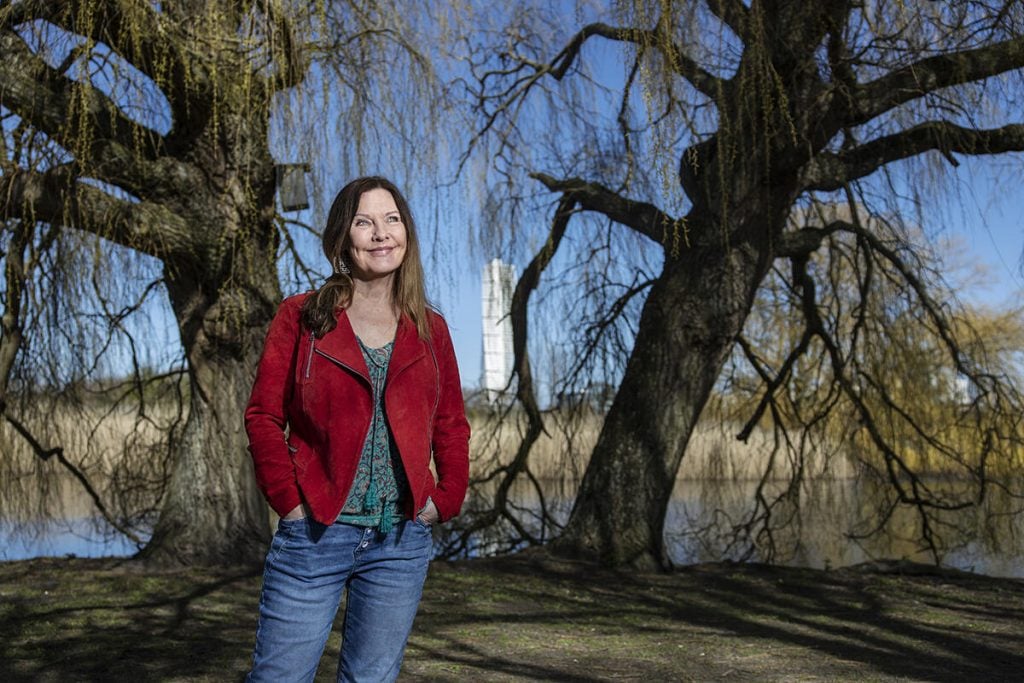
<point x="290" y="523"/>
<point x="279" y="541"/>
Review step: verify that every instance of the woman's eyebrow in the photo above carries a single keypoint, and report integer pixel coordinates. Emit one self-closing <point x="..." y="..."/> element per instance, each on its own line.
<point x="396" y="212"/>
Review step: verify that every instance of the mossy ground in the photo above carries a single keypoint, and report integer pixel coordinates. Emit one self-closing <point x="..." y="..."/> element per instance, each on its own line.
<point x="530" y="618"/>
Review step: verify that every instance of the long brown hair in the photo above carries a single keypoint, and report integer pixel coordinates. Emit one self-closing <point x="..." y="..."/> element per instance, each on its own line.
<point x="319" y="312"/>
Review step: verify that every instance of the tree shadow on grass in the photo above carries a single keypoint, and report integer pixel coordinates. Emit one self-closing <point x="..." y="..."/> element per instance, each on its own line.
<point x="532" y="618"/>
<point x="722" y="621"/>
<point x="89" y="620"/>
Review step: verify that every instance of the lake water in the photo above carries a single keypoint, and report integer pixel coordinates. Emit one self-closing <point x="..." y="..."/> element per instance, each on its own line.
<point x="815" y="533"/>
<point x="81" y="537"/>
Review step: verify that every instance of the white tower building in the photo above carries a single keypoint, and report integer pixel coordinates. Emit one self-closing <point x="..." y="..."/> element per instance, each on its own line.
<point x="498" y="283"/>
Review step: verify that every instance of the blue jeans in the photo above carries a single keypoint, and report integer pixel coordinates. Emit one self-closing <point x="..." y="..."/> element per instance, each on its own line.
<point x="308" y="566"/>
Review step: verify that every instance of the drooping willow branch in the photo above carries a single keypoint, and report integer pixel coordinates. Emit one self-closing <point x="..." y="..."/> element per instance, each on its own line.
<point x="47" y="453"/>
<point x="16" y="273"/>
<point x="909" y="485"/>
<point x="525" y="392"/>
<point x="596" y="329"/>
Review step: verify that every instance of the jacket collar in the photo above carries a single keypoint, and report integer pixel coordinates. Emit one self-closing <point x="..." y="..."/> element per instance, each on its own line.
<point x="340" y="345"/>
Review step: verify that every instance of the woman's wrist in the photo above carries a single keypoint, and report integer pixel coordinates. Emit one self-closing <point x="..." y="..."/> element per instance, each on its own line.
<point x="428" y="514"/>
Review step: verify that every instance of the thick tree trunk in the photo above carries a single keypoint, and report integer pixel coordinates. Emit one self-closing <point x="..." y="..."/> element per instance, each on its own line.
<point x="223" y="286"/>
<point x="689" y="323"/>
<point x="212" y="513"/>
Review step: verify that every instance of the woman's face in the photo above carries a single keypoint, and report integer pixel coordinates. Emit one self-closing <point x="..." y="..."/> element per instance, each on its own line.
<point x="377" y="236"/>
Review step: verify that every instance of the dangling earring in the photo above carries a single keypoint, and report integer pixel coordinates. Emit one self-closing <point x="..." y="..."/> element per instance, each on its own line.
<point x="340" y="267"/>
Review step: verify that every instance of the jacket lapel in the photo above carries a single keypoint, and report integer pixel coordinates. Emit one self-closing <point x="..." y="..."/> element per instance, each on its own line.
<point x="340" y="345"/>
<point x="408" y="347"/>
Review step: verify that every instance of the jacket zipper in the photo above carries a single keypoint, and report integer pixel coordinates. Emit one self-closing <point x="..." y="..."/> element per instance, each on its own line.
<point x="334" y="360"/>
<point x="309" y="360"/>
<point x="437" y="386"/>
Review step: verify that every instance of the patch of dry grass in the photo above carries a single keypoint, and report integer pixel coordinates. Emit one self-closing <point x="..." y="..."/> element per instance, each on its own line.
<point x="713" y="452"/>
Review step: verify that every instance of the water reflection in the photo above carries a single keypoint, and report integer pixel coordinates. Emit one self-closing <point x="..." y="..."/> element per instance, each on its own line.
<point x="815" y="525"/>
<point x="811" y="529"/>
<point x="820" y="528"/>
<point x="80" y="537"/>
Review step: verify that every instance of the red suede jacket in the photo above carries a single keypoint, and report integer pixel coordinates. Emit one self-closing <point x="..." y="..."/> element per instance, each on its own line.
<point x="311" y="406"/>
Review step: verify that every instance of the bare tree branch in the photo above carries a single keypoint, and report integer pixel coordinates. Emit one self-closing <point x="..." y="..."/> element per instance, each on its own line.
<point x="47" y="453"/>
<point x="931" y="308"/>
<point x="658" y="38"/>
<point x="642" y="217"/>
<point x="523" y="374"/>
<point x="47" y="100"/>
<point x="899" y="472"/>
<point x="830" y="171"/>
<point x="115" y="153"/>
<point x="54" y="197"/>
<point x="925" y="76"/>
<point x="136" y="32"/>
<point x="17" y="271"/>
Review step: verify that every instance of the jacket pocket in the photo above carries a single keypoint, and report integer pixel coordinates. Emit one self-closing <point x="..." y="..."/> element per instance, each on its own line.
<point x="297" y="460"/>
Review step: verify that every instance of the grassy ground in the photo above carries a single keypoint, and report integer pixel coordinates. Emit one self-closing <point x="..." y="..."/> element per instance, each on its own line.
<point x="534" y="619"/>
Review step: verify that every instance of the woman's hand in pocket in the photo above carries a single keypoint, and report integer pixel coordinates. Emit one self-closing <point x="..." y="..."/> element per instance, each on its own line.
<point x="429" y="514"/>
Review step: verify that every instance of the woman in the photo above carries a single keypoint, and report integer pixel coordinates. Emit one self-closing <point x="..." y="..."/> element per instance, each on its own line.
<point x="357" y="389"/>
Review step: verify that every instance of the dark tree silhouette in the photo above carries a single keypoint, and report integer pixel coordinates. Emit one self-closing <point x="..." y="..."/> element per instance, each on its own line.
<point x="742" y="135"/>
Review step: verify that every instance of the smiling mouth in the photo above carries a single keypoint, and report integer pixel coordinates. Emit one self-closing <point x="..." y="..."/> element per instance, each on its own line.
<point x="382" y="251"/>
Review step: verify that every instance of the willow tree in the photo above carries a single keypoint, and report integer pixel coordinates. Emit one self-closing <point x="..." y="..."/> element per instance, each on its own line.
<point x="723" y="135"/>
<point x="155" y="119"/>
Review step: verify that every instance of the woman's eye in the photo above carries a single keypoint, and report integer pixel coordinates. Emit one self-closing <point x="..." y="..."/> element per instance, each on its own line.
<point x="394" y="219"/>
<point x="362" y="222"/>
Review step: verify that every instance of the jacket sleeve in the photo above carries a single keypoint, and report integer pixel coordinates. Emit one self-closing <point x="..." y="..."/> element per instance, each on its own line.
<point x="450" y="437"/>
<point x="266" y="415"/>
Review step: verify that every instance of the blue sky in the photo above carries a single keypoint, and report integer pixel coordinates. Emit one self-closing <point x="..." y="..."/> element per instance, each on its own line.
<point x="984" y="218"/>
<point x="980" y="212"/>
<point x="985" y="224"/>
<point x="993" y="228"/>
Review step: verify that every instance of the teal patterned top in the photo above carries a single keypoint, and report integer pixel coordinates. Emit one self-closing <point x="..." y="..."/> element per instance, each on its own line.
<point x="380" y="484"/>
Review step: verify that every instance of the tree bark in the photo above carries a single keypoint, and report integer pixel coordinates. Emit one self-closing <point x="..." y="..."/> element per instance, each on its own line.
<point x="223" y="289"/>
<point x="689" y="323"/>
<point x="213" y="513"/>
